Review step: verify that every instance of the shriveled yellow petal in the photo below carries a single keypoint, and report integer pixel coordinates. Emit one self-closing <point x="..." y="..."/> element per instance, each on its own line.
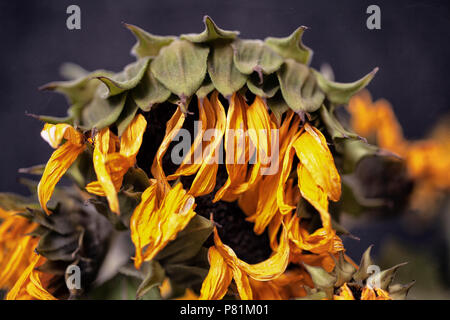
<point x="313" y="153"/>
<point x="374" y="294"/>
<point x="283" y="205"/>
<point x="344" y="293"/>
<point x="154" y="226"/>
<point x="140" y="221"/>
<point x="236" y="150"/>
<point x="102" y="143"/>
<point x="61" y="159"/>
<point x="266" y="270"/>
<point x="218" y="279"/>
<point x="173" y="126"/>
<point x="193" y="160"/>
<point x="118" y="163"/>
<point x="205" y="180"/>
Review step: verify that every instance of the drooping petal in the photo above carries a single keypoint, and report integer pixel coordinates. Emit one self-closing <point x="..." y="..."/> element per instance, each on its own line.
<point x="313" y="152"/>
<point x="236" y="150"/>
<point x="61" y="159"/>
<point x="193" y="160"/>
<point x="218" y="279"/>
<point x="141" y="221"/>
<point x="314" y="194"/>
<point x="102" y="143"/>
<point x="131" y="139"/>
<point x="205" y="180"/>
<point x="173" y="126"/>
<point x="266" y="270"/>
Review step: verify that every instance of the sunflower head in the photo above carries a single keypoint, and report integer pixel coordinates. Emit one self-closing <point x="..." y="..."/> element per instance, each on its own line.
<point x="220" y="160"/>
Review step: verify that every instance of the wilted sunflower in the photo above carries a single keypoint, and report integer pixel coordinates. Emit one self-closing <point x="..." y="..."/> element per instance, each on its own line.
<point x="244" y="211"/>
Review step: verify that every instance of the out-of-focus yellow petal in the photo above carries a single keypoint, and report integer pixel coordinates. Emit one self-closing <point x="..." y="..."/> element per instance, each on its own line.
<point x="24" y="278"/>
<point x="219" y="277"/>
<point x="314" y="154"/>
<point x="36" y="289"/>
<point x="374" y="294"/>
<point x="265" y="290"/>
<point x="344" y="293"/>
<point x="61" y="159"/>
<point x="153" y="226"/>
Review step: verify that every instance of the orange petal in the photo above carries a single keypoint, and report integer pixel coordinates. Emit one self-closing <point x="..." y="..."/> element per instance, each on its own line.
<point x="344" y="293"/>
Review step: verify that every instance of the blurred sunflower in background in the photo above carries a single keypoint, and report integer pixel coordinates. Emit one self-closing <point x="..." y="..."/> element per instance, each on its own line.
<point x="248" y="208"/>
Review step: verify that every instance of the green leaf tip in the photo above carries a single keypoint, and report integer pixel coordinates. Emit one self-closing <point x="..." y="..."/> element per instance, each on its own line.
<point x="147" y="43"/>
<point x="340" y="93"/>
<point x="212" y="32"/>
<point x="292" y="47"/>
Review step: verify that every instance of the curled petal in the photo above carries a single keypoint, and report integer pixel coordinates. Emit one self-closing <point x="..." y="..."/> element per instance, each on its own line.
<point x="219" y="277"/>
<point x="173" y="126"/>
<point x="55" y="133"/>
<point x="61" y="159"/>
<point x="266" y="270"/>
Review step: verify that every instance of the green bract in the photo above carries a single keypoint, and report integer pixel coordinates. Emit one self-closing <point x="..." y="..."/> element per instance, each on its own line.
<point x="175" y="69"/>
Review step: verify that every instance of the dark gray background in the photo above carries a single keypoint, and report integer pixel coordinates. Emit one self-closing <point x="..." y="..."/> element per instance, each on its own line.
<point x="412" y="51"/>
